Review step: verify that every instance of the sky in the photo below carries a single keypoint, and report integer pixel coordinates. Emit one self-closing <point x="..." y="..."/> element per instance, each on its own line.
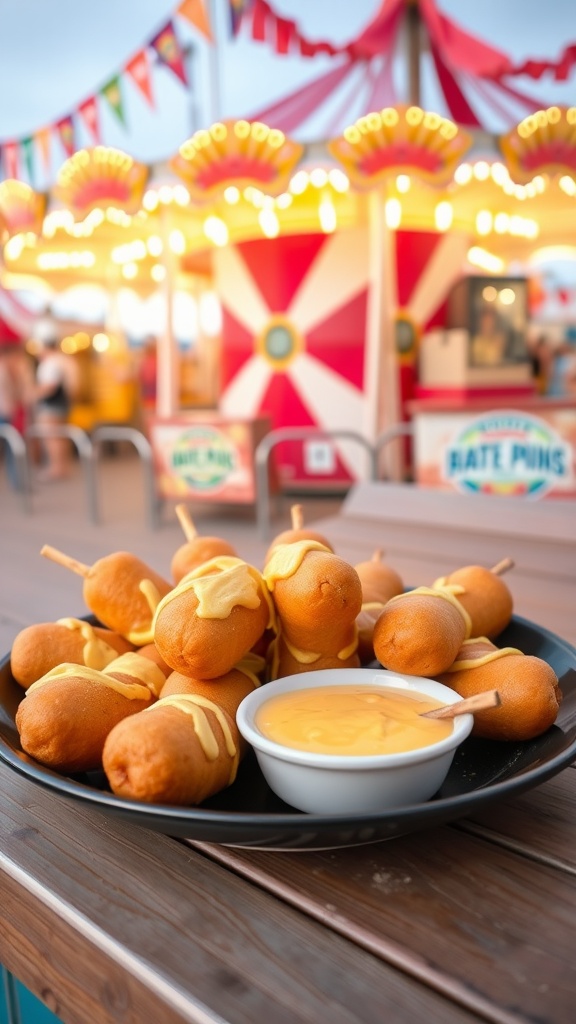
<point x="55" y="53"/>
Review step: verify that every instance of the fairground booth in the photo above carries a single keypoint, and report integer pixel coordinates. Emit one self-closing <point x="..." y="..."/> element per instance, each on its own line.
<point x="400" y="270"/>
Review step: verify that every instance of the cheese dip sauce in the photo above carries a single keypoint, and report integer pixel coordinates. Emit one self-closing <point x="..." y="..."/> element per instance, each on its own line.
<point x="353" y="721"/>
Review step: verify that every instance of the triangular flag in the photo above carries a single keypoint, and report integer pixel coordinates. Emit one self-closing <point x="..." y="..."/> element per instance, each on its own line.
<point x="139" y="70"/>
<point x="65" y="129"/>
<point x="237" y="9"/>
<point x="169" y="51"/>
<point x="113" y="94"/>
<point x="195" y="12"/>
<point x="11" y="159"/>
<point x="89" y="114"/>
<point x="42" y="140"/>
<point x="28" y="151"/>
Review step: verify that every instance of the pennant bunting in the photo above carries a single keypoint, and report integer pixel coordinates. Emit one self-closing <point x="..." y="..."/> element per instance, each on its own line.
<point x="42" y="140"/>
<point x="112" y="93"/>
<point x="169" y="51"/>
<point x="238" y="8"/>
<point x="139" y="70"/>
<point x="11" y="159"/>
<point x="196" y="13"/>
<point x="65" y="129"/>
<point x="89" y="114"/>
<point x="28" y="153"/>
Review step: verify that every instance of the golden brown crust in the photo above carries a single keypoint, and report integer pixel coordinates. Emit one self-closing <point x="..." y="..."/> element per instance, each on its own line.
<point x="283" y="662"/>
<point x="529" y="695"/>
<point x="206" y="648"/>
<point x="293" y="537"/>
<point x="197" y="551"/>
<point x="226" y="691"/>
<point x="157" y="758"/>
<point x="319" y="603"/>
<point x="65" y="722"/>
<point x="379" y="581"/>
<point x="41" y="647"/>
<point x="112" y="592"/>
<point x="486" y="598"/>
<point x="419" y="635"/>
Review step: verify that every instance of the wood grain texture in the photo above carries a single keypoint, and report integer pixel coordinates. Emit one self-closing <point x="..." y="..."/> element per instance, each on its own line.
<point x="484" y="925"/>
<point x="113" y="923"/>
<point x="540" y="824"/>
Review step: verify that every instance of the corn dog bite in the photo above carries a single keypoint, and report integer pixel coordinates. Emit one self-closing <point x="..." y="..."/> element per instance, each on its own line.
<point x="66" y="715"/>
<point x="484" y="595"/>
<point x="121" y="590"/>
<point x="529" y="692"/>
<point x="297" y="533"/>
<point x="180" y="751"/>
<point x="317" y="596"/>
<point x="227" y="691"/>
<point x="212" y="618"/>
<point x="197" y="549"/>
<point x="379" y="583"/>
<point x="286" y="660"/>
<point x="420" y="632"/>
<point x="38" y="648"/>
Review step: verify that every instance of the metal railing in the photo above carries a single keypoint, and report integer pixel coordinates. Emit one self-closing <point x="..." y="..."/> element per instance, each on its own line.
<point x="276" y="437"/>
<point x="81" y="442"/>
<point x="17" y="452"/>
<point x="144" y="450"/>
<point x="392" y="433"/>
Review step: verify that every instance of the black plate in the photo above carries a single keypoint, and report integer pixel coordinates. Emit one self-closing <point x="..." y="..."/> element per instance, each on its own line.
<point x="248" y="814"/>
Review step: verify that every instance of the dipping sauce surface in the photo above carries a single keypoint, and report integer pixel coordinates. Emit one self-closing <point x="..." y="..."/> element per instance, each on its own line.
<point x="356" y="720"/>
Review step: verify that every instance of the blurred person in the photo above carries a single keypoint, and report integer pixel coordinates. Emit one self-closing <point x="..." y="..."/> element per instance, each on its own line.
<point x="562" y="380"/>
<point x="488" y="345"/>
<point x="541" y="359"/>
<point x="54" y="387"/>
<point x="147" y="374"/>
<point x="16" y="395"/>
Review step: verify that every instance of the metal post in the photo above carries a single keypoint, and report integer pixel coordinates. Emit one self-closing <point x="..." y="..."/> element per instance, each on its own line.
<point x="17" y="446"/>
<point x="144" y="449"/>
<point x="275" y="437"/>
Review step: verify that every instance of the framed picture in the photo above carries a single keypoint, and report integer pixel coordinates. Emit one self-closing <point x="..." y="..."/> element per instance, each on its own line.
<point x="498" y="311"/>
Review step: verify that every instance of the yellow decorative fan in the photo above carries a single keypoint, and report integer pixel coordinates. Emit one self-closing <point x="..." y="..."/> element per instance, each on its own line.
<point x="544" y="142"/>
<point x="99" y="178"/>
<point x="21" y="209"/>
<point x="241" y="153"/>
<point x="400" y="140"/>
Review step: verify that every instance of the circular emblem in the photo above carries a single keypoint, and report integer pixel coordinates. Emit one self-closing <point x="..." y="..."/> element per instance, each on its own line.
<point x="203" y="457"/>
<point x="507" y="453"/>
<point x="279" y="342"/>
<point x="405" y="335"/>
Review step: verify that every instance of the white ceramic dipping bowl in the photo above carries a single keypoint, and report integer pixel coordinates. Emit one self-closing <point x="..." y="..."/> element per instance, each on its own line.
<point x="335" y="784"/>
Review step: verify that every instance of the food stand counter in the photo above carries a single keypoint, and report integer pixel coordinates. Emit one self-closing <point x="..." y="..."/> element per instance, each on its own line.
<point x="523" y="446"/>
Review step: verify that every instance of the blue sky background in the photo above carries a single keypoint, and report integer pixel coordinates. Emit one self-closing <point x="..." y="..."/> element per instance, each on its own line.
<point x="55" y="53"/>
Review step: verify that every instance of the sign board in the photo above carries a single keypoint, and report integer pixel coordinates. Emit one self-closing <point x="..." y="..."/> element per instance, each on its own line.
<point x="206" y="460"/>
<point x="506" y="452"/>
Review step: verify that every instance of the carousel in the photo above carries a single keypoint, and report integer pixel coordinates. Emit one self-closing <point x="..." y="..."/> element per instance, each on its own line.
<point x="388" y="274"/>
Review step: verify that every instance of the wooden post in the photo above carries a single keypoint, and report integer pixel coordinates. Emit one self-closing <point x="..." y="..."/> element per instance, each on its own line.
<point x="413" y="53"/>
<point x="381" y="365"/>
<point x="168" y="363"/>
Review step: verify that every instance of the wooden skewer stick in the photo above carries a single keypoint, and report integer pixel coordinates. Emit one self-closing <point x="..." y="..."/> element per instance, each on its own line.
<point x="480" y="702"/>
<point x="61" y="559"/>
<point x="378" y="555"/>
<point x="186" y="522"/>
<point x="503" y="566"/>
<point x="297" y="513"/>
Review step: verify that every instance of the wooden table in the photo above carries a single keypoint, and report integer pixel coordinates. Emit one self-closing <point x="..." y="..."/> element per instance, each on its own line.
<point x="469" y="922"/>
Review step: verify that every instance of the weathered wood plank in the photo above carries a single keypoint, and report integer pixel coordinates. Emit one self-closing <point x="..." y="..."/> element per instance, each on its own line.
<point x="115" y="923"/>
<point x="482" y="922"/>
<point x="540" y="824"/>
